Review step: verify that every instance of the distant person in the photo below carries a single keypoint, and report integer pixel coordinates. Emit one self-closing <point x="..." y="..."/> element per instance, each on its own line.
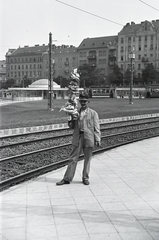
<point x="90" y="93"/>
<point x="86" y="134"/>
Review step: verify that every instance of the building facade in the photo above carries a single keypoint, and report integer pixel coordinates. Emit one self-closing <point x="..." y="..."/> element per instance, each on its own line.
<point x="32" y="63"/>
<point x="102" y="53"/>
<point x="2" y="72"/>
<point x="143" y="40"/>
<point x="99" y="52"/>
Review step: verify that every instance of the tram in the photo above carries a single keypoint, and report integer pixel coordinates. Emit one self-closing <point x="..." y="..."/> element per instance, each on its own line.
<point x="151" y="91"/>
<point x="106" y="91"/>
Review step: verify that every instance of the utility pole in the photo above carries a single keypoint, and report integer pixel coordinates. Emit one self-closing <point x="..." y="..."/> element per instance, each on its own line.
<point x="50" y="82"/>
<point x="131" y="56"/>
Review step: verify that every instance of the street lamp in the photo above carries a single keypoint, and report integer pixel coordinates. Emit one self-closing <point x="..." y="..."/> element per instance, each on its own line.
<point x="131" y="57"/>
<point x="50" y="83"/>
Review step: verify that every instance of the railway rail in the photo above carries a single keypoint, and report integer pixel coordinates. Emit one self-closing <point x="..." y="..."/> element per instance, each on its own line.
<point x="26" y="156"/>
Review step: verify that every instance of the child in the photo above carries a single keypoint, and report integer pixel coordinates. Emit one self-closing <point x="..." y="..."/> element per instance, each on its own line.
<point x="71" y="105"/>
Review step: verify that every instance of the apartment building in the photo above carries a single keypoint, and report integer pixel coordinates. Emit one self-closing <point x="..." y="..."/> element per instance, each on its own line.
<point x="33" y="62"/>
<point x="2" y="71"/>
<point x="100" y="52"/>
<point x="143" y="40"/>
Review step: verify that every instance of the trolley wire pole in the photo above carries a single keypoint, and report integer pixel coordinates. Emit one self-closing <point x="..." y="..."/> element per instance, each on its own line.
<point x="50" y="82"/>
<point x="131" y="56"/>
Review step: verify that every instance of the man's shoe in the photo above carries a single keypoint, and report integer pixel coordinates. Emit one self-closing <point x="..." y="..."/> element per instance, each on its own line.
<point x="62" y="182"/>
<point x="86" y="182"/>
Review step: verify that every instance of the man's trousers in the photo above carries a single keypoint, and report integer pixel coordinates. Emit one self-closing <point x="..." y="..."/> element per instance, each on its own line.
<point x="76" y="151"/>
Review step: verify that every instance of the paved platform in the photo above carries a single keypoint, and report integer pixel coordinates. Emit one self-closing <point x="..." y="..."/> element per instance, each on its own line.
<point x="121" y="203"/>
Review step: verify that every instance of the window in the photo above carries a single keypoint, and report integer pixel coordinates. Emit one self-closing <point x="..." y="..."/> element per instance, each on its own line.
<point x="139" y="57"/>
<point x="151" y="37"/>
<point x="129" y="39"/>
<point x="122" y="40"/>
<point x="82" y="54"/>
<point x="145" y="38"/>
<point x="122" y="49"/>
<point x="140" y="48"/>
<point x="139" y="66"/>
<point x="121" y="58"/>
<point x="129" y="48"/>
<point x="139" y="38"/>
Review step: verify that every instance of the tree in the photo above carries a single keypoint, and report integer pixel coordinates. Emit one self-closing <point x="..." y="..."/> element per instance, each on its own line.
<point x="89" y="75"/>
<point x="127" y="76"/>
<point x="9" y="83"/>
<point x="25" y="82"/>
<point x="116" y="77"/>
<point x="149" y="73"/>
<point x="63" y="82"/>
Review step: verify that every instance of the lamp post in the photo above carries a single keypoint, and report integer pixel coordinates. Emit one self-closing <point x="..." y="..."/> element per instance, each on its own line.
<point x="50" y="82"/>
<point x="131" y="57"/>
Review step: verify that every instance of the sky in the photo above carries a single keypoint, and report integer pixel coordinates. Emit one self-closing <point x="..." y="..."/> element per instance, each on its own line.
<point x="29" y="22"/>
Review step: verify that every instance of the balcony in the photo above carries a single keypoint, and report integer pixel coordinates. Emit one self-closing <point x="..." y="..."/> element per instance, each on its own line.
<point x="112" y="58"/>
<point x="92" y="64"/>
<point x="144" y="59"/>
<point x="66" y="71"/>
<point x="111" y="63"/>
<point x="91" y="56"/>
<point x="66" y="63"/>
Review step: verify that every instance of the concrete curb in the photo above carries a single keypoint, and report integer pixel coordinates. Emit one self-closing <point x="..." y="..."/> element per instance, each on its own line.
<point x="16" y="131"/>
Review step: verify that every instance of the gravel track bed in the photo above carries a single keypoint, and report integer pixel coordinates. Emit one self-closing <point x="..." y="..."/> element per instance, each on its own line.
<point x="28" y="163"/>
<point x="29" y="147"/>
<point x="35" y="136"/>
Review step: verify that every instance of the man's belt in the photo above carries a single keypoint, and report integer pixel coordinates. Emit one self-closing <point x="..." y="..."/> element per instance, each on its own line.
<point x="81" y="132"/>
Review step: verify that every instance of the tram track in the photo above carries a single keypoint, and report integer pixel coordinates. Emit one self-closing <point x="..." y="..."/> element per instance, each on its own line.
<point x="25" y="165"/>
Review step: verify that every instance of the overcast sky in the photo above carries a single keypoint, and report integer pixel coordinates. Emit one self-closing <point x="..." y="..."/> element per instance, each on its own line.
<point x="29" y="22"/>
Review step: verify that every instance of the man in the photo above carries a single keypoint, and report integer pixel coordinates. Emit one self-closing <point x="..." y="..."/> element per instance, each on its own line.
<point x="86" y="134"/>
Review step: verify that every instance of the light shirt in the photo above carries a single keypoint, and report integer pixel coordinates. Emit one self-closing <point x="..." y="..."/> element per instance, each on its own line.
<point x="81" y="118"/>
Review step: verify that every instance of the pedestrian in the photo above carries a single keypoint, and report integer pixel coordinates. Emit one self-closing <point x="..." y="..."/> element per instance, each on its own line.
<point x="86" y="134"/>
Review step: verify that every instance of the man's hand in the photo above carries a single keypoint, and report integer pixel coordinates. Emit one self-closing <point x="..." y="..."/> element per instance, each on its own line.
<point x="98" y="144"/>
<point x="69" y="118"/>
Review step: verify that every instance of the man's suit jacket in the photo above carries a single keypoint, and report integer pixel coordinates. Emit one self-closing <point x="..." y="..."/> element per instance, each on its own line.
<point x="92" y="132"/>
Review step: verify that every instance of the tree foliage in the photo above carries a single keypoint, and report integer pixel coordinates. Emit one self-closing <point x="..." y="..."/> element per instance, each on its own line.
<point x="116" y="77"/>
<point x="149" y="73"/>
<point x="63" y="82"/>
<point x="9" y="83"/>
<point x="89" y="75"/>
